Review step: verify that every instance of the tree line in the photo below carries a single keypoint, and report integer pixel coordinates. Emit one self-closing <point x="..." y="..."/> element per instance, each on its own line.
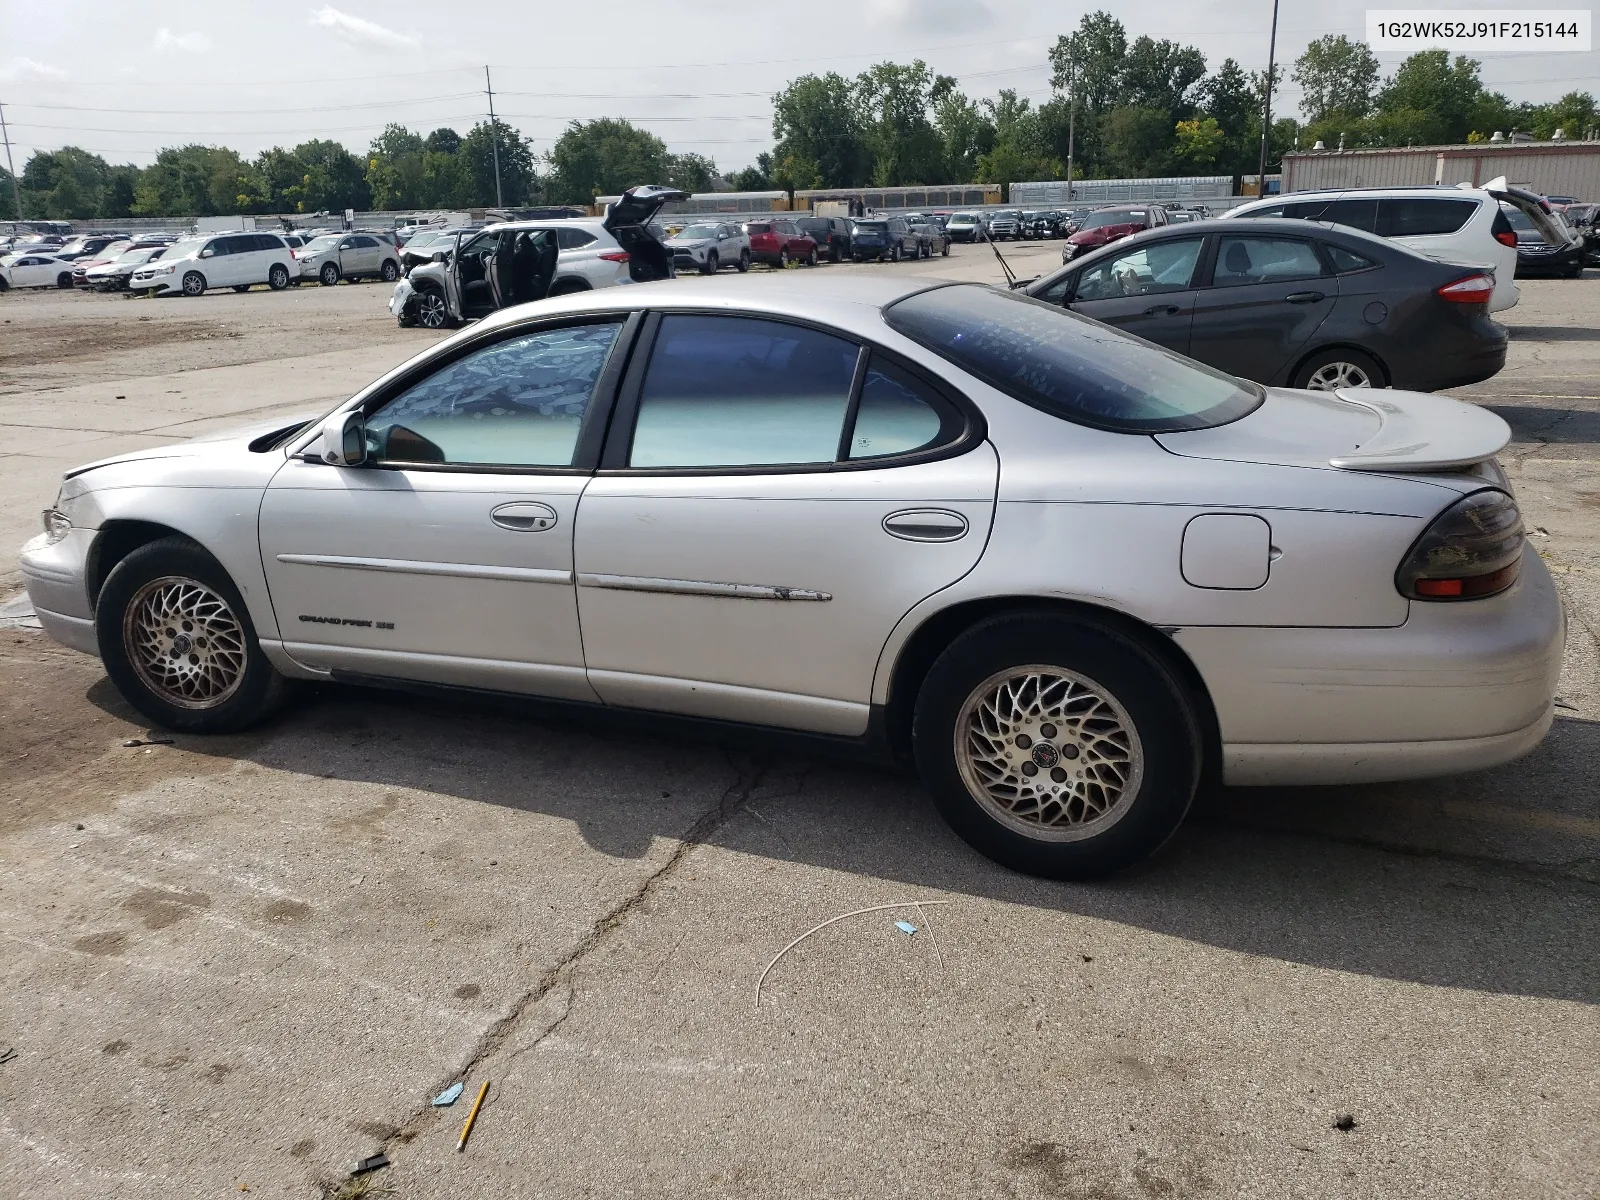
<point x="1122" y="108"/>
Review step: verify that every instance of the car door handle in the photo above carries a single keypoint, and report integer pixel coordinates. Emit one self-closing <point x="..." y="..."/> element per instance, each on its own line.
<point x="524" y="516"/>
<point x="1163" y="310"/>
<point x="1304" y="297"/>
<point x="925" y="525"/>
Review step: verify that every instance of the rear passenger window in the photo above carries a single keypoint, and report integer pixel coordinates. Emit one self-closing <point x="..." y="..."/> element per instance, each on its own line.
<point x="1420" y="217"/>
<point x="897" y="414"/>
<point x="1358" y="214"/>
<point x="573" y="239"/>
<point x="739" y="391"/>
<point x="1246" y="260"/>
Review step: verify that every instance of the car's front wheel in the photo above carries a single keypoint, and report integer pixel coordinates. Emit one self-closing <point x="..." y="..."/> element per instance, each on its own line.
<point x="1328" y="370"/>
<point x="432" y="312"/>
<point x="178" y="642"/>
<point x="709" y="267"/>
<point x="1058" y="746"/>
<point x="329" y="274"/>
<point x="194" y="284"/>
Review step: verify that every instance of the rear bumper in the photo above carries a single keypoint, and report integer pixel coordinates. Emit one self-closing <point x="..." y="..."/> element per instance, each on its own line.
<point x="1457" y="687"/>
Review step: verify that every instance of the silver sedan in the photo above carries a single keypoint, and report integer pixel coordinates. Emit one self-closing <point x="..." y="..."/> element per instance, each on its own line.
<point x="1062" y="573"/>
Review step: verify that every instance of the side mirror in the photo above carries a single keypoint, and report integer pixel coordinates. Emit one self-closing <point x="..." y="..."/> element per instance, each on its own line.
<point x="208" y="252"/>
<point x="344" y="439"/>
<point x="436" y="256"/>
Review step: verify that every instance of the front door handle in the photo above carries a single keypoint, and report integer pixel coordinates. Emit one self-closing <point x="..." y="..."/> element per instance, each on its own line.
<point x="524" y="516"/>
<point x="1304" y="297"/>
<point x="1162" y="310"/>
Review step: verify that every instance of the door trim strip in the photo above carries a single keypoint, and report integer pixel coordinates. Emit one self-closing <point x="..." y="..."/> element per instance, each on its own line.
<point x="403" y="566"/>
<point x="695" y="587"/>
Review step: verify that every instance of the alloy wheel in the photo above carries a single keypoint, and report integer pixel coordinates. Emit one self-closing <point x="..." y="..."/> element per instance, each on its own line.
<point x="184" y="642"/>
<point x="431" y="312"/>
<point x="1049" y="753"/>
<point x="1334" y="375"/>
<point x="194" y="284"/>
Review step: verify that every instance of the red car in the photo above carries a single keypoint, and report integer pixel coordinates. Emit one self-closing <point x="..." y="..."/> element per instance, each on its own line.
<point x="778" y="243"/>
<point x="1108" y="225"/>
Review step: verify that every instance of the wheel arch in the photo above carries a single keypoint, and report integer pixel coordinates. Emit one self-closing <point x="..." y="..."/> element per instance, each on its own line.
<point x="116" y="540"/>
<point x="923" y="645"/>
<point x="1299" y="363"/>
<point x="568" y="285"/>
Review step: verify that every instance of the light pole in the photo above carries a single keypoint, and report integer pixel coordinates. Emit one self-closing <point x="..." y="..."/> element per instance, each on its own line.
<point x="1072" y="120"/>
<point x="16" y="191"/>
<point x="494" y="130"/>
<point x="1266" y="106"/>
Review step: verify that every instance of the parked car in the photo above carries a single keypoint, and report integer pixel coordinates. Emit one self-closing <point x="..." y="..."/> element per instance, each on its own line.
<point x="86" y="246"/>
<point x="1284" y="303"/>
<point x="520" y="261"/>
<point x="780" y="242"/>
<point x="931" y="239"/>
<point x="1546" y="245"/>
<point x="419" y="247"/>
<point x="1456" y="224"/>
<point x="1005" y="225"/>
<point x="1585" y="221"/>
<point x="1041" y="224"/>
<point x="1065" y="573"/>
<point x="708" y="246"/>
<point x="236" y="260"/>
<point x="966" y="227"/>
<point x="885" y="239"/>
<point x="1107" y="225"/>
<point x="113" y="276"/>
<point x="1181" y="216"/>
<point x="352" y="256"/>
<point x="831" y="234"/>
<point x="1073" y="221"/>
<point x="34" y="270"/>
<point x="107" y="253"/>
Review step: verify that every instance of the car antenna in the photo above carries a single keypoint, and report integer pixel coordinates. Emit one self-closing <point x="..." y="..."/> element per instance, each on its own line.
<point x="1011" y="278"/>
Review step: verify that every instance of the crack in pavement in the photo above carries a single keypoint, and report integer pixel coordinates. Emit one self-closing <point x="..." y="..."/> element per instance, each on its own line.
<point x="495" y="1037"/>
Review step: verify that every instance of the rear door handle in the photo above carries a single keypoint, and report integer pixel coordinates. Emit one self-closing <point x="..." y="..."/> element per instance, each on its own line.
<point x="1304" y="297"/>
<point x="524" y="516"/>
<point x="1163" y="310"/>
<point x="925" y="525"/>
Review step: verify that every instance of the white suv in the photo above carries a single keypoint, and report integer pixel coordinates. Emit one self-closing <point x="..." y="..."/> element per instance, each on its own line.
<point x="235" y="260"/>
<point x="1453" y="224"/>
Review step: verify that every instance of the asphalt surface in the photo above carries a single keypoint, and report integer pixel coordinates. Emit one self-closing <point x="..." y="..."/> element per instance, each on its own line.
<point x="243" y="963"/>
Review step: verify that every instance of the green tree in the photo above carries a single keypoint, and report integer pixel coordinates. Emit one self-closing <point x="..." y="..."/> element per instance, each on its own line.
<point x="1339" y="78"/>
<point x="193" y="181"/>
<point x="519" y="182"/>
<point x="1162" y="75"/>
<point x="1229" y="99"/>
<point x="1434" y="98"/>
<point x="963" y="128"/>
<point x="819" y="119"/>
<point x="1199" y="144"/>
<point x="604" y="158"/>
<point x="756" y="177"/>
<point x="906" y="147"/>
<point x="1138" y="141"/>
<point x="394" y="169"/>
<point x="333" y="179"/>
<point x="691" y="172"/>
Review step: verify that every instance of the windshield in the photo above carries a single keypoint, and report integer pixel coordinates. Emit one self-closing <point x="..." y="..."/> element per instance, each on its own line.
<point x="699" y="231"/>
<point x="1121" y="216"/>
<point x="326" y="242"/>
<point x="185" y="247"/>
<point x="138" y="256"/>
<point x="1069" y="365"/>
<point x="964" y="219"/>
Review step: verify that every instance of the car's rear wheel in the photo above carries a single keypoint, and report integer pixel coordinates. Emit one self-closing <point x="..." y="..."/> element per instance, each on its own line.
<point x="64" y="280"/>
<point x="744" y="261"/>
<point x="432" y="311"/>
<point x="836" y="253"/>
<point x="811" y="257"/>
<point x="329" y="274"/>
<point x="1056" y="745"/>
<point x="241" y="287"/>
<point x="194" y="284"/>
<point x="1328" y="370"/>
<point x="896" y="255"/>
<point x="178" y="642"/>
<point x="944" y="251"/>
<point x="278" y="277"/>
<point x="390" y="271"/>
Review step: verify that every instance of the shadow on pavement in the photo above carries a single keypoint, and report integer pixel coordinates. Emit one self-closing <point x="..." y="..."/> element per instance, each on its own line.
<point x="1450" y="883"/>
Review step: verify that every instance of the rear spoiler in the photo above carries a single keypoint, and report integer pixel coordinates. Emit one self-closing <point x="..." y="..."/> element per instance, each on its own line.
<point x="1419" y="432"/>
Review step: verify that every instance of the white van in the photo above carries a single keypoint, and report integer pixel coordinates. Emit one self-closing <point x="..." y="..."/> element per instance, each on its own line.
<point x="1453" y="224"/>
<point x="236" y="260"/>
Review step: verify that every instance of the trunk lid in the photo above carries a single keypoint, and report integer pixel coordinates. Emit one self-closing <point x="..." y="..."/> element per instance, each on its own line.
<point x="1354" y="429"/>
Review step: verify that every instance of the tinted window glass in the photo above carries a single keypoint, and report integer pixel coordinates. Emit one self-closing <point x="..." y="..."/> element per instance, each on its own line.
<point x="735" y="391"/>
<point x="515" y="403"/>
<point x="896" y="414"/>
<point x="1420" y="217"/>
<point x="267" y="241"/>
<point x="364" y="243"/>
<point x="1247" y="260"/>
<point x="1358" y="214"/>
<point x="571" y="239"/>
<point x="1069" y="365"/>
<point x="1147" y="271"/>
<point x="1344" y="261"/>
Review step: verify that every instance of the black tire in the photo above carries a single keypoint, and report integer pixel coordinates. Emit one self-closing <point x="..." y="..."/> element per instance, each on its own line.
<point x="277" y="277"/>
<point x="945" y="251"/>
<point x="64" y="280"/>
<point x="1323" y="370"/>
<point x="432" y="310"/>
<point x="256" y="687"/>
<point x="811" y="257"/>
<point x="1167" y="744"/>
<point x="709" y="267"/>
<point x="569" y="287"/>
<point x="328" y="274"/>
<point x="744" y="261"/>
<point x="390" y="270"/>
<point x="783" y="258"/>
<point x="835" y="254"/>
<point x="241" y="287"/>
<point x="194" y="284"/>
<point x="897" y="253"/>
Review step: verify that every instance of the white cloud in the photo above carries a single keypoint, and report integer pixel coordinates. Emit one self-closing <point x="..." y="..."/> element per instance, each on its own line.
<point x="19" y="68"/>
<point x="930" y="16"/>
<point x="359" y="31"/>
<point x="189" y="43"/>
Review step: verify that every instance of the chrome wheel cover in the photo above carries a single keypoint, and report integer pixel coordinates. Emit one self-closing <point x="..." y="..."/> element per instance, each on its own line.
<point x="184" y="642"/>
<point x="430" y="310"/>
<point x="1049" y="753"/>
<point x="1338" y="375"/>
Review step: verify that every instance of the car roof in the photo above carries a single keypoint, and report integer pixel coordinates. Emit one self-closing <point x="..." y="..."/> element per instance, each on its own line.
<point x="1415" y="189"/>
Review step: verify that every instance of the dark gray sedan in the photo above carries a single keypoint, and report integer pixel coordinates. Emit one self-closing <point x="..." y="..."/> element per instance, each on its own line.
<point x="1292" y="303"/>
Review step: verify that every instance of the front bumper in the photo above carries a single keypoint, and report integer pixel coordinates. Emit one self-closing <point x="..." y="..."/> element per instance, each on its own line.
<point x="56" y="578"/>
<point x="400" y="298"/>
<point x="1458" y="687"/>
<point x="156" y="285"/>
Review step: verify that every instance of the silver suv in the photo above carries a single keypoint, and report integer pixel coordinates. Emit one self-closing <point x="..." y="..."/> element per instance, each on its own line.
<point x="708" y="246"/>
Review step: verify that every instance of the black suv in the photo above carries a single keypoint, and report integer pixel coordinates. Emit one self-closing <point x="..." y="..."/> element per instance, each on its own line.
<point x="883" y="238"/>
<point x="831" y="234"/>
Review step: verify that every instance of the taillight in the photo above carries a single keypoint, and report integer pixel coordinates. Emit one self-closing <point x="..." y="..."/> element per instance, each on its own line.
<point x="1473" y="549"/>
<point x="1506" y="237"/>
<point x="618" y="256"/>
<point x="1474" y="289"/>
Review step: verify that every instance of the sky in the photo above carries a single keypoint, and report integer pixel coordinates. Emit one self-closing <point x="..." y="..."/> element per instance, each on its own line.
<point x="125" y="80"/>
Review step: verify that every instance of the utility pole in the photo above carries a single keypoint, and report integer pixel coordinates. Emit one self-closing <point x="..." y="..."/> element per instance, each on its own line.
<point x="16" y="191"/>
<point x="494" y="129"/>
<point x="1266" y="107"/>
<point x="1072" y="120"/>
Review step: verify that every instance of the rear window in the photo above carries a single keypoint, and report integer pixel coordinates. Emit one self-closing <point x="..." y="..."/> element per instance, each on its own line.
<point x="1357" y="214"/>
<point x="1421" y="216"/>
<point x="758" y="227"/>
<point x="1068" y="365"/>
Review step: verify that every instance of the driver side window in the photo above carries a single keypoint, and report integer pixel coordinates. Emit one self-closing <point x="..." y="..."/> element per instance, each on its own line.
<point x="1147" y="271"/>
<point x="518" y="403"/>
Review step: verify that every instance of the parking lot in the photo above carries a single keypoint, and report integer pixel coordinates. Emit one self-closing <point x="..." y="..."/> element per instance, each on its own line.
<point x="242" y="963"/>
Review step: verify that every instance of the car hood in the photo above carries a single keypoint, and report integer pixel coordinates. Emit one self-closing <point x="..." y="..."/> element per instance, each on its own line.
<point x="639" y="205"/>
<point x="1101" y="234"/>
<point x="201" y="447"/>
<point x="1353" y="429"/>
<point x="688" y="243"/>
